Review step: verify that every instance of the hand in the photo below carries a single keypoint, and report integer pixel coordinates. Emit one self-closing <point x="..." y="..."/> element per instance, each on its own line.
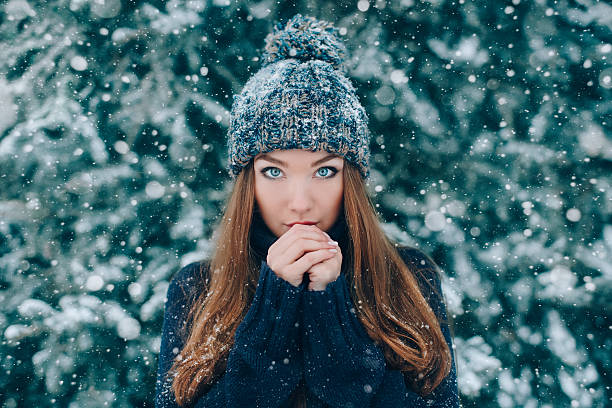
<point x="325" y="272"/>
<point x="297" y="250"/>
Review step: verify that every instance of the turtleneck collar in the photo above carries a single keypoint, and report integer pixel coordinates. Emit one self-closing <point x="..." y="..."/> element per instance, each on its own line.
<point x="262" y="238"/>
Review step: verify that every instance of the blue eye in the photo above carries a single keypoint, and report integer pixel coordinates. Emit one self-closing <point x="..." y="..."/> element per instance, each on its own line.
<point x="331" y="171"/>
<point x="276" y="171"/>
<point x="323" y="172"/>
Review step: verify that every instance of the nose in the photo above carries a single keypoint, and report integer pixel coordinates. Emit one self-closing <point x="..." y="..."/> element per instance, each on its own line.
<point x="300" y="198"/>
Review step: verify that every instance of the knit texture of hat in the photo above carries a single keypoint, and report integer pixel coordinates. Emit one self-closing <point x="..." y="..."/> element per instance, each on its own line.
<point x="299" y="99"/>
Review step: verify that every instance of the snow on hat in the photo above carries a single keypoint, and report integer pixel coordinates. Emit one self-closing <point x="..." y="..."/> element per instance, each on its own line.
<point x="299" y="99"/>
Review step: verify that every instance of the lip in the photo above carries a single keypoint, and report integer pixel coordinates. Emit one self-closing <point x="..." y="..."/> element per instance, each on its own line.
<point x="302" y="222"/>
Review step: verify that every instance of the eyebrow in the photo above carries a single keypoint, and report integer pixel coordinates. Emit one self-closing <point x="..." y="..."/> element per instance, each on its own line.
<point x="282" y="163"/>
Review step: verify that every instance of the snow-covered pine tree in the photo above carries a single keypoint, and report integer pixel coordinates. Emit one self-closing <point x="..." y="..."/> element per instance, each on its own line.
<point x="491" y="151"/>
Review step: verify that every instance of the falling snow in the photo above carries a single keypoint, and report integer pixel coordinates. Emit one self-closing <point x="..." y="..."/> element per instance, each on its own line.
<point x="491" y="150"/>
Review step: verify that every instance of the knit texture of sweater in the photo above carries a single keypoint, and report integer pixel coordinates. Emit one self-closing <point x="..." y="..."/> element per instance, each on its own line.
<point x="293" y="338"/>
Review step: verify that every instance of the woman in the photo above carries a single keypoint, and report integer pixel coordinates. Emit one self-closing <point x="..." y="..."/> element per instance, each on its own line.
<point x="305" y="301"/>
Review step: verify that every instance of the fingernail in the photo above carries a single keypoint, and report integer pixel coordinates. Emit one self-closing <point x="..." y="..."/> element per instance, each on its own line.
<point x="332" y="242"/>
<point x="333" y="249"/>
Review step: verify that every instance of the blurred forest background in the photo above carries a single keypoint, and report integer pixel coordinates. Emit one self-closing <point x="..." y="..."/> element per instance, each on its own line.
<point x="491" y="151"/>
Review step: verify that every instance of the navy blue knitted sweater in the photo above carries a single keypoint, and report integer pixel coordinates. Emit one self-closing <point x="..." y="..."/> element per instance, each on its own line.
<point x="292" y="337"/>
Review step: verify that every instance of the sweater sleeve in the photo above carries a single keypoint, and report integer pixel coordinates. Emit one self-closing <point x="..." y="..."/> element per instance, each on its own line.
<point x="264" y="366"/>
<point x="342" y="365"/>
<point x="175" y="313"/>
<point x="446" y="394"/>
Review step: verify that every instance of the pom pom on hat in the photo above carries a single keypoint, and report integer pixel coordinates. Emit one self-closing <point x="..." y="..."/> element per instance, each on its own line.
<point x="299" y="99"/>
<point x="305" y="38"/>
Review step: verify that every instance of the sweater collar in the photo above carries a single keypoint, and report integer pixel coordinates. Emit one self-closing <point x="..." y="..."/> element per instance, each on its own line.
<point x="262" y="238"/>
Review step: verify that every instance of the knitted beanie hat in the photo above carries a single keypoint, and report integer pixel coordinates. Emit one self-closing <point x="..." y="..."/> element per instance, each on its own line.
<point x="299" y="99"/>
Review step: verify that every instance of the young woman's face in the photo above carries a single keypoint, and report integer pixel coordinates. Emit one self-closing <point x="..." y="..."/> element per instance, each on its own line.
<point x="298" y="186"/>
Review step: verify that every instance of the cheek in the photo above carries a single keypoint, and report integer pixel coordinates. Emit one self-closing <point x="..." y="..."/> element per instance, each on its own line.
<point x="333" y="195"/>
<point x="340" y="187"/>
<point x="265" y="195"/>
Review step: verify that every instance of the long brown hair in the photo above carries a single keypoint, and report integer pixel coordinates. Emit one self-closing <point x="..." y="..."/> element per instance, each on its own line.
<point x="392" y="309"/>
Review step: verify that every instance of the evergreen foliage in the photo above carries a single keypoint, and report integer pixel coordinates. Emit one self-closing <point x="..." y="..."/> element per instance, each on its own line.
<point x="491" y="151"/>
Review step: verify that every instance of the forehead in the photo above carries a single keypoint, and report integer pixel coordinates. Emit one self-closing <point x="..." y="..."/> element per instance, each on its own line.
<point x="296" y="155"/>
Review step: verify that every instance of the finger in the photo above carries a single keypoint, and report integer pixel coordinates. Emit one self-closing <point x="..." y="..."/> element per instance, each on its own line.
<point x="322" y="231"/>
<point x="284" y="240"/>
<point x="283" y="252"/>
<point x="300" y="247"/>
<point x="299" y="229"/>
<point x="296" y="232"/>
<point x="309" y="259"/>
